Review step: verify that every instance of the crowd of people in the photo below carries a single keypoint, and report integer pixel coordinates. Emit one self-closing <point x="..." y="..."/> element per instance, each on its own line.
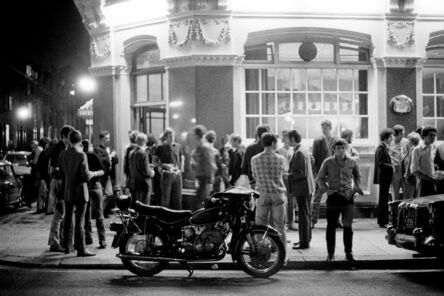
<point x="73" y="178"/>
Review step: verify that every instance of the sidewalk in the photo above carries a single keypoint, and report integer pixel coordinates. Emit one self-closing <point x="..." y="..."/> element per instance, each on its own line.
<point x="24" y="237"/>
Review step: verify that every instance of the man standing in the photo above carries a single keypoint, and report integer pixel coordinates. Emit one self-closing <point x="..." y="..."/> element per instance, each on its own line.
<point x="397" y="151"/>
<point x="140" y="171"/>
<point x="169" y="159"/>
<point x="322" y="148"/>
<point x="302" y="185"/>
<point x="74" y="168"/>
<point x="237" y="154"/>
<point x="132" y="137"/>
<point x="203" y="163"/>
<point x="251" y="151"/>
<point x="56" y="190"/>
<point x="268" y="169"/>
<point x="422" y="163"/>
<point x="383" y="174"/>
<point x="109" y="160"/>
<point x="339" y="176"/>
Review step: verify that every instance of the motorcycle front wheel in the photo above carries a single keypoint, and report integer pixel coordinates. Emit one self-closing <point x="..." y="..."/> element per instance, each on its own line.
<point x="265" y="258"/>
<point x="141" y="244"/>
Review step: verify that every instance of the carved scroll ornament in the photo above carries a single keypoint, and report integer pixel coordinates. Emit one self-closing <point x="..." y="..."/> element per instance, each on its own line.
<point x="195" y="30"/>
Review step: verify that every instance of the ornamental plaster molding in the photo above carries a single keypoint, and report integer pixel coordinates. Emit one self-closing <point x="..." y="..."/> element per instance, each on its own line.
<point x="398" y="62"/>
<point x="400" y="34"/>
<point x="100" y="46"/>
<point x="203" y="60"/>
<point x="110" y="70"/>
<point x="196" y="29"/>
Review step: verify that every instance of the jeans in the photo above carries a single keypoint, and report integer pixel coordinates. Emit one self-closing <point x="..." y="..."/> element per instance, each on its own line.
<point x="317" y="197"/>
<point x="336" y="205"/>
<point x="272" y="204"/>
<point x="384" y="188"/>
<point x="54" y="188"/>
<point x="79" y="232"/>
<point x="171" y="190"/>
<point x="55" y="238"/>
<point x="397" y="182"/>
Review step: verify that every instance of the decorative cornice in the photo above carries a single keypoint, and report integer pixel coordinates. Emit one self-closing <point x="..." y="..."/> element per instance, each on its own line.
<point x="195" y="30"/>
<point x="175" y="6"/>
<point x="203" y="60"/>
<point x="398" y="62"/>
<point x="401" y="34"/>
<point x="109" y="70"/>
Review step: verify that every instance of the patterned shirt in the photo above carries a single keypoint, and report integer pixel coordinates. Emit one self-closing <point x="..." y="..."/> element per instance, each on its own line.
<point x="268" y="168"/>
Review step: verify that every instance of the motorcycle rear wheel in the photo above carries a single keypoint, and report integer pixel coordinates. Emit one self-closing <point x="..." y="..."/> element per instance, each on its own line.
<point x="135" y="244"/>
<point x="267" y="260"/>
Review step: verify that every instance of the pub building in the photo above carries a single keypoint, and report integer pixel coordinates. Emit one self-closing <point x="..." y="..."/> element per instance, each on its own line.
<point x="231" y="65"/>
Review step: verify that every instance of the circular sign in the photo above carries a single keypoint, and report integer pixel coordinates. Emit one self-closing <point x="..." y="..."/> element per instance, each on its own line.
<point x="308" y="51"/>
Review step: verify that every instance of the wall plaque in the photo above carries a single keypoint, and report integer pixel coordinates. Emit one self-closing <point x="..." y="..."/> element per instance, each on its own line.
<point x="401" y="104"/>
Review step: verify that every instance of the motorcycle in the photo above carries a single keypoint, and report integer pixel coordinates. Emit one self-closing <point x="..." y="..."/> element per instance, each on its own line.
<point x="149" y="237"/>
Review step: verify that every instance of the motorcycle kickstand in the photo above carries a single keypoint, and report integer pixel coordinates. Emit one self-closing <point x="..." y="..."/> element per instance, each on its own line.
<point x="188" y="267"/>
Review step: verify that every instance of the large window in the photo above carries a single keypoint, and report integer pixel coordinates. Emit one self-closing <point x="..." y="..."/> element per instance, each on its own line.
<point x="433" y="100"/>
<point x="297" y="85"/>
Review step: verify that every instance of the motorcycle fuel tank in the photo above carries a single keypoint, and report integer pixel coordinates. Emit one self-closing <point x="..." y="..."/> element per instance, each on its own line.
<point x="208" y="216"/>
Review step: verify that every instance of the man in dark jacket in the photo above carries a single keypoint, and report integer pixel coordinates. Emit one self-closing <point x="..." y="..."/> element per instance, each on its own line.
<point x="252" y="150"/>
<point x="237" y="154"/>
<point x="383" y="174"/>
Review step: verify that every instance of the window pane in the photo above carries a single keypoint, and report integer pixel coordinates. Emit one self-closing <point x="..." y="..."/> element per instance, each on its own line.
<point x="268" y="76"/>
<point x="314" y="79"/>
<point x="314" y="126"/>
<point x="252" y="104"/>
<point x="252" y="79"/>
<point x="427" y="83"/>
<point x="346" y="104"/>
<point x="330" y="103"/>
<point x="261" y="52"/>
<point x="330" y="80"/>
<point x="345" y="80"/>
<point x="141" y="88"/>
<point x="148" y="59"/>
<point x="314" y="104"/>
<point x="359" y="126"/>
<point x="440" y="129"/>
<point x="289" y="52"/>
<point x="271" y="121"/>
<point x="283" y="79"/>
<point x="252" y="123"/>
<point x="347" y="122"/>
<point x="439" y="106"/>
<point x="362" y="78"/>
<point x="268" y="104"/>
<point x="300" y="124"/>
<point x="284" y="104"/>
<point x="325" y="52"/>
<point x="428" y="109"/>
<point x="361" y="104"/>
<point x="298" y="76"/>
<point x="440" y="83"/>
<point x="362" y="129"/>
<point x="155" y="87"/>
<point x="299" y="106"/>
<point x="429" y="122"/>
<point x="284" y="122"/>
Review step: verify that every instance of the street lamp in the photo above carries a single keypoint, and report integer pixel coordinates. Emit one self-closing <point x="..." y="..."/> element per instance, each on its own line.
<point x="23" y="113"/>
<point x="87" y="85"/>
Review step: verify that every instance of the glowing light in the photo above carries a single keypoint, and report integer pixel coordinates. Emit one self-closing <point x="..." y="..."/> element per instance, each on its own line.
<point x="175" y="116"/>
<point x="23" y="113"/>
<point x="72" y="92"/>
<point x="176" y="104"/>
<point x="183" y="135"/>
<point x="193" y="120"/>
<point x="87" y="84"/>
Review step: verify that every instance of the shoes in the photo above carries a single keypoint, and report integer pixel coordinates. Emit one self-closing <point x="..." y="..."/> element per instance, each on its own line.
<point x="299" y="246"/>
<point x="57" y="249"/>
<point x="69" y="250"/>
<point x="85" y="253"/>
<point x="350" y="258"/>
<point x="330" y="258"/>
<point x="88" y="241"/>
<point x="293" y="226"/>
<point x="102" y="245"/>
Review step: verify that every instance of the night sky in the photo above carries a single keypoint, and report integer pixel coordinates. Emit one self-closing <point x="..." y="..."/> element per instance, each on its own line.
<point x="46" y="33"/>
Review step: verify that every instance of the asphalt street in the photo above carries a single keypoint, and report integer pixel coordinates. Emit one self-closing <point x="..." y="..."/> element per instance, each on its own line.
<point x="21" y="281"/>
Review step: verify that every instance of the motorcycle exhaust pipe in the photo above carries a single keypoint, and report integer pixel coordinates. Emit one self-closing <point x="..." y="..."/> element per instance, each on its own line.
<point x="148" y="258"/>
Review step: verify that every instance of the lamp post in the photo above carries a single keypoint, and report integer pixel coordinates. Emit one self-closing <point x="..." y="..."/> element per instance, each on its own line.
<point x="23" y="113"/>
<point x="87" y="85"/>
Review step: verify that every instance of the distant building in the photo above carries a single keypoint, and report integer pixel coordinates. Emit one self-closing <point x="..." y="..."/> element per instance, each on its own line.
<point x="232" y="65"/>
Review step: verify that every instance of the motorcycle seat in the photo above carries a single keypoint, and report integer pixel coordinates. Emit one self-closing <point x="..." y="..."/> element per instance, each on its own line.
<point x="164" y="214"/>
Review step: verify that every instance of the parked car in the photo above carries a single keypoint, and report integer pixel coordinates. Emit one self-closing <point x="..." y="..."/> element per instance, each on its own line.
<point x="418" y="224"/>
<point x="10" y="186"/>
<point x="20" y="161"/>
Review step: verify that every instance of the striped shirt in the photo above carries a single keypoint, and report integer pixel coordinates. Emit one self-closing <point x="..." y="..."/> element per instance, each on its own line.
<point x="268" y="168"/>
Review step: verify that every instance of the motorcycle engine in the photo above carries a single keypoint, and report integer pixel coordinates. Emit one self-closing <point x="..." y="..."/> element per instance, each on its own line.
<point x="204" y="238"/>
